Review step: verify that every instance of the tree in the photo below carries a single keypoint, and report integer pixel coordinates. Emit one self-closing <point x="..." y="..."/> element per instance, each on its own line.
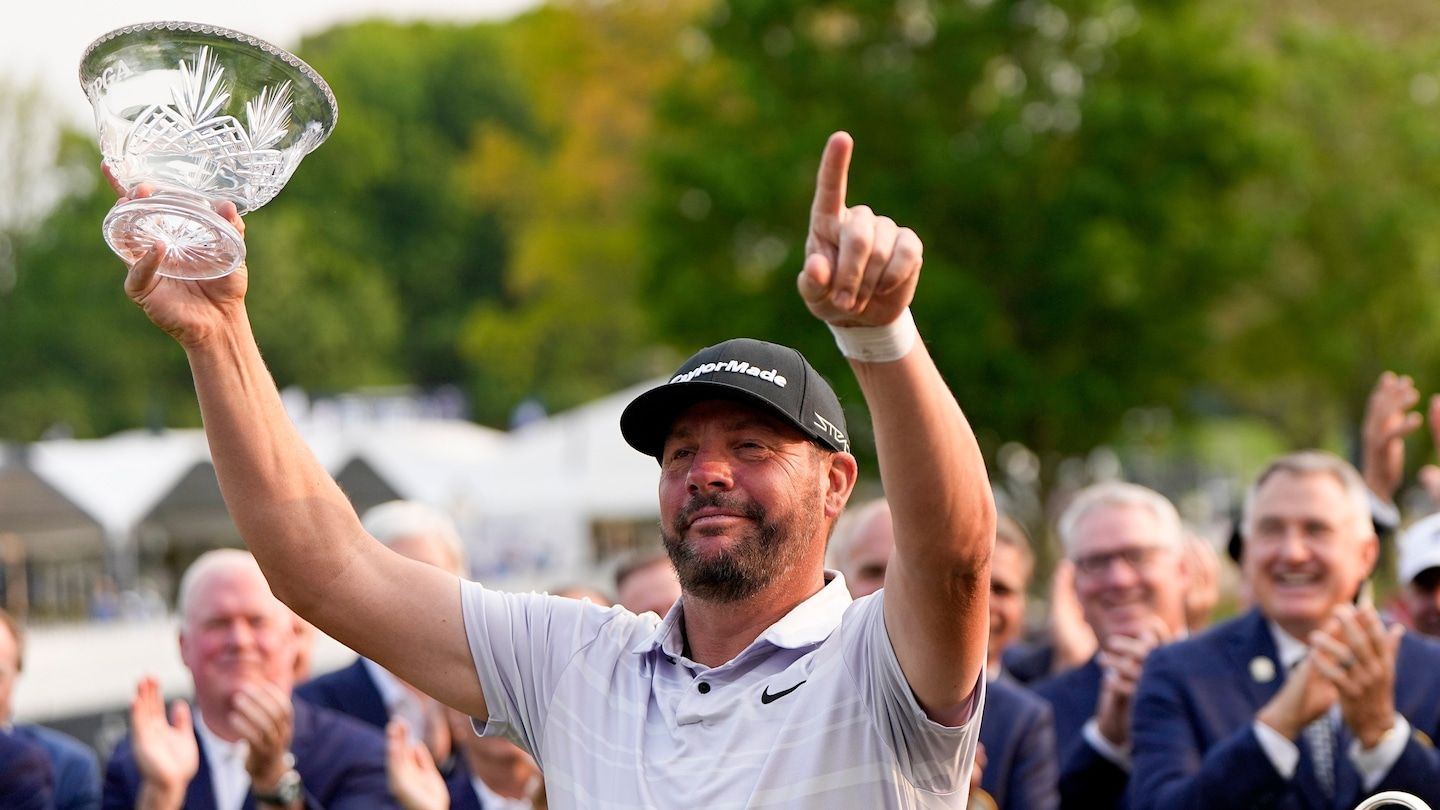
<point x="1071" y="168"/>
<point x="1350" y="279"/>
<point x="570" y="324"/>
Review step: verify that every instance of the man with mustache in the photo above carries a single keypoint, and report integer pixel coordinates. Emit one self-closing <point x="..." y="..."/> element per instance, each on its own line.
<point x="766" y="686"/>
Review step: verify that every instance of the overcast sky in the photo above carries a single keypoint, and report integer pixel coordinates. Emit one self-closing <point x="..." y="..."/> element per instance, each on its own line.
<point x="41" y="40"/>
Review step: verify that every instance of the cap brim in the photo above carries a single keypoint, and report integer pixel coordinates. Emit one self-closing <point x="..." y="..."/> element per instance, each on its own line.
<point x="1419" y="564"/>
<point x="645" y="423"/>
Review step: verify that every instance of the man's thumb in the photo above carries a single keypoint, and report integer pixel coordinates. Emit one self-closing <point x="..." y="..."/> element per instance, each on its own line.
<point x="814" y="279"/>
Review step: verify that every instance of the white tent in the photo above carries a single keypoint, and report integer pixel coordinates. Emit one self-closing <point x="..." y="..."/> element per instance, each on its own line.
<point x="532" y="508"/>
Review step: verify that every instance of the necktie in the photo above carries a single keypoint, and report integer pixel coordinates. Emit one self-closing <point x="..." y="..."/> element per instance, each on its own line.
<point x="1320" y="736"/>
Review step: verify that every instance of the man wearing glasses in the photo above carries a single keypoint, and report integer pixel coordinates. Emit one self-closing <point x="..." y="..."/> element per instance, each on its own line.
<point x="1127" y="546"/>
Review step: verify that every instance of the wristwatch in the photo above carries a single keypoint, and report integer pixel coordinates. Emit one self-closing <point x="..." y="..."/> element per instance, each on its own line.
<point x="288" y="789"/>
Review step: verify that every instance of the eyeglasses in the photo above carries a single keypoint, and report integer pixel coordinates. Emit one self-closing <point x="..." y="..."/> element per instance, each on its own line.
<point x="1137" y="558"/>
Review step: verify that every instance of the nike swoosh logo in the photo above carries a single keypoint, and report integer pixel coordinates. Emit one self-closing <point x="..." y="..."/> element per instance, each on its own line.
<point x="767" y="698"/>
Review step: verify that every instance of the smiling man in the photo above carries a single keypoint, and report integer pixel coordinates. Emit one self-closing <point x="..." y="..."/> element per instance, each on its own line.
<point x="1307" y="701"/>
<point x="1127" y="547"/>
<point x="766" y="686"/>
<point x="250" y="745"/>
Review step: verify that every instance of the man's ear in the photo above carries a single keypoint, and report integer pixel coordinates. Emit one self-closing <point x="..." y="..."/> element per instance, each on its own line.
<point x="841" y="473"/>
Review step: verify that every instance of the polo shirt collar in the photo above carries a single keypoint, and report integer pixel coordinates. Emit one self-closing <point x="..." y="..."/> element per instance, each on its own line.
<point x="809" y="622"/>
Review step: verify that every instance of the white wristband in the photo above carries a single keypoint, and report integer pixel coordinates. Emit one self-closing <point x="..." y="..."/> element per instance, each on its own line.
<point x="877" y="344"/>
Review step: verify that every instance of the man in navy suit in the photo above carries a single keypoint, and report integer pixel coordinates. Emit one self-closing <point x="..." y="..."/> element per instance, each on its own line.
<point x="76" y="773"/>
<point x="1306" y="701"/>
<point x="250" y="745"/>
<point x="1127" y="546"/>
<point x="368" y="692"/>
<point x="26" y="779"/>
<point x="1016" y="758"/>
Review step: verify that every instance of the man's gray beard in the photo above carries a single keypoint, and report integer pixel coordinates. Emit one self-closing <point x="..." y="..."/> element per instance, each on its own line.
<point x="742" y="571"/>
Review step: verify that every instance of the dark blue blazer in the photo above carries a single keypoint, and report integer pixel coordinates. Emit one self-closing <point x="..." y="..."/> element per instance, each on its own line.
<point x="1195" y="745"/>
<point x="1019" y="738"/>
<point x="77" y="772"/>
<point x="1087" y="778"/>
<point x="1028" y="663"/>
<point x="352" y="691"/>
<point x="26" y="778"/>
<point x="341" y="761"/>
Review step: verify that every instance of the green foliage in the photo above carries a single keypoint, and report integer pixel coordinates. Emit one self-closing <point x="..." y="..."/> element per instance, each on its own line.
<point x="571" y="325"/>
<point x="74" y="352"/>
<point x="384" y="202"/>
<point x="1069" y="168"/>
<point x="1349" y="215"/>
<point x="1211" y="207"/>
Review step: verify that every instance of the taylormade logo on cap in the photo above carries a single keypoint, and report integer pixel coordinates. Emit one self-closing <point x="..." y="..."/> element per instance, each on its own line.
<point x="732" y="367"/>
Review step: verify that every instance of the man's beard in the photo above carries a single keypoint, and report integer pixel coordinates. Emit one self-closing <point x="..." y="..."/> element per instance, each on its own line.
<point x="754" y="561"/>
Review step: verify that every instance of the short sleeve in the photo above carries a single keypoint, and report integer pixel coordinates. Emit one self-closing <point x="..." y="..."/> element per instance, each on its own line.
<point x="522" y="643"/>
<point x="931" y="756"/>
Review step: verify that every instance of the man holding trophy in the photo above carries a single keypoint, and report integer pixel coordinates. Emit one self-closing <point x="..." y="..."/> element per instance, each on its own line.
<point x="766" y="686"/>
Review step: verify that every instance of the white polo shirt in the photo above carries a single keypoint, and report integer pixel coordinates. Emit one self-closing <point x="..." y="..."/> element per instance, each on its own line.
<point x="814" y="713"/>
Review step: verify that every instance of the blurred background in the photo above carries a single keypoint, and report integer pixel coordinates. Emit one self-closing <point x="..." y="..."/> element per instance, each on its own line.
<point x="1165" y="239"/>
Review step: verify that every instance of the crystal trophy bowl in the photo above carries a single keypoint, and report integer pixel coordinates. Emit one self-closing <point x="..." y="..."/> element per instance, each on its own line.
<point x="202" y="115"/>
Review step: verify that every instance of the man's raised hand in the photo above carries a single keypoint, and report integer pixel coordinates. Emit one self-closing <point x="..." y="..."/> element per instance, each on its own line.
<point x="860" y="269"/>
<point x="166" y="755"/>
<point x="189" y="311"/>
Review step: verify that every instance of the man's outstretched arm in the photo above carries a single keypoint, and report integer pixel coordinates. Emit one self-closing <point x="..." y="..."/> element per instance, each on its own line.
<point x="861" y="270"/>
<point x="403" y="614"/>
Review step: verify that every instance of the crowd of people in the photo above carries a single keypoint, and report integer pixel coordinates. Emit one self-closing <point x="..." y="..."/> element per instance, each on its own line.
<point x="740" y="670"/>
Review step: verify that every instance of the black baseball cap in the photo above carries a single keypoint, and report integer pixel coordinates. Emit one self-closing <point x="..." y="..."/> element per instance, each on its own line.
<point x="775" y="377"/>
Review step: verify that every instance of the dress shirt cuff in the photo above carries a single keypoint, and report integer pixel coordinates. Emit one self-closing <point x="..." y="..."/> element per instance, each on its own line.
<point x="1385" y="514"/>
<point x="1116" y="754"/>
<point x="1374" y="763"/>
<point x="1282" y="751"/>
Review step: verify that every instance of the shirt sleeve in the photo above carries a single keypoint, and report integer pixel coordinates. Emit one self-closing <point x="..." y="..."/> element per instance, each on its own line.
<point x="522" y="644"/>
<point x="1119" y="756"/>
<point x="1282" y="752"/>
<point x="933" y="757"/>
<point x="1374" y="763"/>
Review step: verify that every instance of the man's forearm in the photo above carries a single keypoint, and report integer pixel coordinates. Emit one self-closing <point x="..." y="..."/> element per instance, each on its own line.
<point x="291" y="513"/>
<point x="930" y="463"/>
<point x="937" y="584"/>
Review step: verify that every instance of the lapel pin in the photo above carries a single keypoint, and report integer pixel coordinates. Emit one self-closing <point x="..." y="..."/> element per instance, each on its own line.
<point x="1262" y="669"/>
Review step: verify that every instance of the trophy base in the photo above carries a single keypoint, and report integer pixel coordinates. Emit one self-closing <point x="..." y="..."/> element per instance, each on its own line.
<point x="199" y="243"/>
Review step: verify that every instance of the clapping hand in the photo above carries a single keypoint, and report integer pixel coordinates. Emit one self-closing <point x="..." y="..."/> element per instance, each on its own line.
<point x="166" y="755"/>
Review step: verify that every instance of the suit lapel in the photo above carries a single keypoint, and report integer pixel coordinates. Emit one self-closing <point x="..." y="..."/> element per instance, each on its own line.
<point x="1347" y="779"/>
<point x="1255" y="660"/>
<point x="201" y="793"/>
<point x="373" y="710"/>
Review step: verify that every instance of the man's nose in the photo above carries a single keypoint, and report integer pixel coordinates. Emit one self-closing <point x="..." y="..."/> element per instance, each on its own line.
<point x="1293" y="546"/>
<point x="240" y="634"/>
<point x="711" y="470"/>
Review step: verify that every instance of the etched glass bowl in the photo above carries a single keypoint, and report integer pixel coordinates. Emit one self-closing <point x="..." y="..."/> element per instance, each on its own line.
<point x="201" y="114"/>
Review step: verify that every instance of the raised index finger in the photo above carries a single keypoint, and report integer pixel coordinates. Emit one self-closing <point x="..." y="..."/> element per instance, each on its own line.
<point x="830" y="182"/>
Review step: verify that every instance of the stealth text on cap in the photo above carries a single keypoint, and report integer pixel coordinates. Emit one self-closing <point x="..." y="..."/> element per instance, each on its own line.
<point x="733" y="367"/>
<point x="826" y="426"/>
